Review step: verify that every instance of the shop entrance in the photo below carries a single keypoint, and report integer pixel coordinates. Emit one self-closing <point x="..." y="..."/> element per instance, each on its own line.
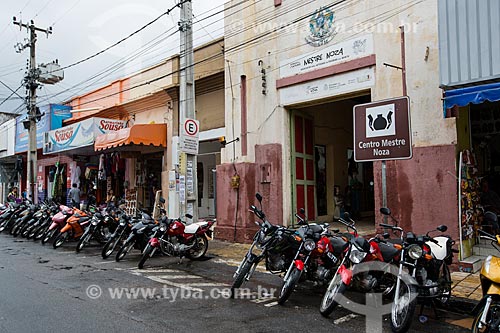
<point x="478" y="133"/>
<point x="326" y="179"/>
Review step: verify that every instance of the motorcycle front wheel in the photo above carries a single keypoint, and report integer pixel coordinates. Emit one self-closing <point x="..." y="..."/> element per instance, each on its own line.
<point x="403" y="309"/>
<point x="84" y="240"/>
<point x="289" y="285"/>
<point x="242" y="274"/>
<point x="329" y="303"/>
<point x="60" y="239"/>
<point x="148" y="251"/>
<point x="109" y="247"/>
<point x="492" y="317"/>
<point x="199" y="248"/>
<point x="124" y="249"/>
<point x="444" y="285"/>
<point x="47" y="236"/>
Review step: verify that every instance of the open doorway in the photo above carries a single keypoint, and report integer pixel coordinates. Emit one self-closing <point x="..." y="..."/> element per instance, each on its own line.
<point x="326" y="179"/>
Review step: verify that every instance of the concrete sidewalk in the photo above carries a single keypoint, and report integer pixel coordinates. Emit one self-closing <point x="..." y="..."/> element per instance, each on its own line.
<point x="466" y="286"/>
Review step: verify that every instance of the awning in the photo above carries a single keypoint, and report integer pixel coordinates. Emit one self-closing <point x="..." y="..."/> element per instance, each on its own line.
<point x="138" y="135"/>
<point x="475" y="95"/>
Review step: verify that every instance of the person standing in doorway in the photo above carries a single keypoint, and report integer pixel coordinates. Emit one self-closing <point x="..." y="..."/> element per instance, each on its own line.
<point x="111" y="199"/>
<point x="74" y="195"/>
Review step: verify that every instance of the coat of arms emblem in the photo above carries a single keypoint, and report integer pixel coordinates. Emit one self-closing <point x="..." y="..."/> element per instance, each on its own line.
<point x="321" y="27"/>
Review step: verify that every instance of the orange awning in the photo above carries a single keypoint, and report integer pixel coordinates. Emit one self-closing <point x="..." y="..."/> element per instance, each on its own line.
<point x="138" y="135"/>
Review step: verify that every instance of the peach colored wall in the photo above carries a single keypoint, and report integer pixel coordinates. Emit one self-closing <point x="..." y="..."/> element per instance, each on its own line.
<point x="232" y="207"/>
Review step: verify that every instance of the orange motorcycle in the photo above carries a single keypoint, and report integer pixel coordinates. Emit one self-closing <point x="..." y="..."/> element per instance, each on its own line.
<point x="74" y="228"/>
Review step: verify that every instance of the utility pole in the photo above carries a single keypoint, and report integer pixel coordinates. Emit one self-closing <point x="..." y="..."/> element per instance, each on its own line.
<point x="33" y="113"/>
<point x="188" y="199"/>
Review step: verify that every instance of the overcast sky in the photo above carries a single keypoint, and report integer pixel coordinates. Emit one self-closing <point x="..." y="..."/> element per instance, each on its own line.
<point x="84" y="27"/>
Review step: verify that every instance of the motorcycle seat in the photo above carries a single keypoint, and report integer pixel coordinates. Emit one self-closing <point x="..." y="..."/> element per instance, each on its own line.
<point x="316" y="228"/>
<point x="388" y="251"/>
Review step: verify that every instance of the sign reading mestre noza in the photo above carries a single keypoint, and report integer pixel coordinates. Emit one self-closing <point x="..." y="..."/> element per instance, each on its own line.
<point x="382" y="130"/>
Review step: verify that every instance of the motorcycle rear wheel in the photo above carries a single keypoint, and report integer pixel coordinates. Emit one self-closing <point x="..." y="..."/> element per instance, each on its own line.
<point x="289" y="285"/>
<point x="492" y="316"/>
<point x="403" y="309"/>
<point x="199" y="249"/>
<point x="328" y="303"/>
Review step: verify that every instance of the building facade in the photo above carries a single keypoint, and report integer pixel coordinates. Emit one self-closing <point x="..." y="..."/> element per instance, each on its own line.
<point x="294" y="72"/>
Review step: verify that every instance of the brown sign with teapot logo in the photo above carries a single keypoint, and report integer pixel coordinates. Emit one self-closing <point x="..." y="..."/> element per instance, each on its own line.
<point x="382" y="130"/>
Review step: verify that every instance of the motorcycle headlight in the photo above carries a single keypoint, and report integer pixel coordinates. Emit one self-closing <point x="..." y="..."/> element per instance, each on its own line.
<point x="357" y="256"/>
<point x="94" y="222"/>
<point x="415" y="251"/>
<point x="309" y="245"/>
<point x="162" y="229"/>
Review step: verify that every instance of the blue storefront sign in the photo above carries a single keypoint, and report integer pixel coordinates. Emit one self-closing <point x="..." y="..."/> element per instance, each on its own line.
<point x="52" y="119"/>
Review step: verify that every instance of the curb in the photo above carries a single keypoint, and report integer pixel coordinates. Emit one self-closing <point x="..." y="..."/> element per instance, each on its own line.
<point x="461" y="305"/>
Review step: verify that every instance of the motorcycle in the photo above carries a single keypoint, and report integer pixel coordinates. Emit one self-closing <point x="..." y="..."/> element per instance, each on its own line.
<point x="118" y="236"/>
<point x="360" y="250"/>
<point x="73" y="229"/>
<point x="100" y="228"/>
<point x="138" y="237"/>
<point x="315" y="256"/>
<point x="43" y="224"/>
<point x="426" y="259"/>
<point x="58" y="222"/>
<point x="9" y="216"/>
<point x="175" y="238"/>
<point x="275" y="247"/>
<point x="23" y="219"/>
<point x="487" y="311"/>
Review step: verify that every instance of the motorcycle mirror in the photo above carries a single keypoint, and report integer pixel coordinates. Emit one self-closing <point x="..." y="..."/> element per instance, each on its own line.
<point x="189" y="216"/>
<point x="302" y="211"/>
<point x="162" y="200"/>
<point x="442" y="228"/>
<point x="259" y="197"/>
<point x="385" y="211"/>
<point x="386" y="235"/>
<point x="347" y="215"/>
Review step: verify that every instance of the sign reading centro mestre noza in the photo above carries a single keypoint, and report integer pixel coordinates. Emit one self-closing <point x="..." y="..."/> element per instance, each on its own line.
<point x="382" y="130"/>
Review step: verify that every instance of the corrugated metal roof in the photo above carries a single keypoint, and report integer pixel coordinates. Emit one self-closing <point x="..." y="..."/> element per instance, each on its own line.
<point x="469" y="41"/>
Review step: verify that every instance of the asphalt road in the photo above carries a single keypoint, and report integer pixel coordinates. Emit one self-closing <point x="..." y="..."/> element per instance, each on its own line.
<point x="47" y="290"/>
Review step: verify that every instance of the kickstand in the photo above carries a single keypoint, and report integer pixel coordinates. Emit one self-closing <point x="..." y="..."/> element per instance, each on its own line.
<point x="180" y="260"/>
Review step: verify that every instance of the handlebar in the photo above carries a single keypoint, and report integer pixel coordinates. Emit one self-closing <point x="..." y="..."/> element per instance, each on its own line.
<point x="388" y="226"/>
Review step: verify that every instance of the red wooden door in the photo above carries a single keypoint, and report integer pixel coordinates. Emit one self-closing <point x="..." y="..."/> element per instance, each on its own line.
<point x="303" y="165"/>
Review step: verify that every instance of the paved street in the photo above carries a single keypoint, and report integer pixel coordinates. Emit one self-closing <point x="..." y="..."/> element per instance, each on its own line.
<point x="47" y="290"/>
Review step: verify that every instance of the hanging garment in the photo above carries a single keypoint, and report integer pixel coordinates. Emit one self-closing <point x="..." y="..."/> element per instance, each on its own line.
<point x="102" y="170"/>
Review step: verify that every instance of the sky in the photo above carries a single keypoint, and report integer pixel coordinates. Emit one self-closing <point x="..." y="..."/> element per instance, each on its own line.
<point x="82" y="28"/>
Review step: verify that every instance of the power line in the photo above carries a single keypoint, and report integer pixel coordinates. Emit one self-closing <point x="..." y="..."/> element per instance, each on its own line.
<point x="125" y="38"/>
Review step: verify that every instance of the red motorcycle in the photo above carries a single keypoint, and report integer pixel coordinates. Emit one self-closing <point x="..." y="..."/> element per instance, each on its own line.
<point x="360" y="250"/>
<point x="175" y="238"/>
<point x="316" y="258"/>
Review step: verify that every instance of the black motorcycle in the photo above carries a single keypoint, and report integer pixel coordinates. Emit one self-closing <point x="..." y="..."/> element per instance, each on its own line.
<point x="121" y="233"/>
<point x="138" y="237"/>
<point x="10" y="216"/>
<point x="275" y="247"/>
<point x="100" y="228"/>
